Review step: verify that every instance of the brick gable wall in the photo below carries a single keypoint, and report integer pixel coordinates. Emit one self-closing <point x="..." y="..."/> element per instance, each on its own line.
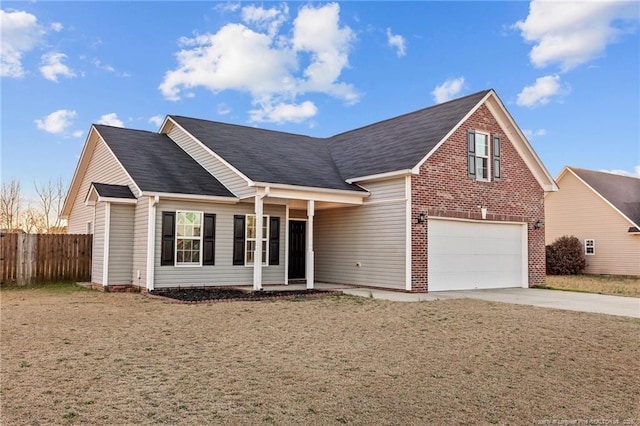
<point x="443" y="189"/>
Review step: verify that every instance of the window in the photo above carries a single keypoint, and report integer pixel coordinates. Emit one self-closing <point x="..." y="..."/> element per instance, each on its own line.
<point x="188" y="239"/>
<point x="589" y="247"/>
<point x="479" y="149"/>
<point x="251" y="238"/>
<point x="244" y="240"/>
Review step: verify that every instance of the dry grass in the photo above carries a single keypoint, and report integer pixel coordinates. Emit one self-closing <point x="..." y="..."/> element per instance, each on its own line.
<point x="96" y="358"/>
<point x="617" y="286"/>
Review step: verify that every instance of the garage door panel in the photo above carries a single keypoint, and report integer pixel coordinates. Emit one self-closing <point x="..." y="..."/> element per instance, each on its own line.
<point x="469" y="255"/>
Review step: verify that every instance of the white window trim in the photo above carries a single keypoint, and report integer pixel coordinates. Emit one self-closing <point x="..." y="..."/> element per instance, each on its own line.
<point x="488" y="156"/>
<point x="266" y="221"/>
<point x="592" y="246"/>
<point x="90" y="227"/>
<point x="175" y="250"/>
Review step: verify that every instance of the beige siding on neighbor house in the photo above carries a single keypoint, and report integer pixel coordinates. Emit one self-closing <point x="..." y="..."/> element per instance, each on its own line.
<point x="223" y="272"/>
<point x="217" y="168"/>
<point x="120" y="244"/>
<point x="576" y="210"/>
<point x="97" y="253"/>
<point x="140" y="229"/>
<point x="364" y="245"/>
<point x="103" y="168"/>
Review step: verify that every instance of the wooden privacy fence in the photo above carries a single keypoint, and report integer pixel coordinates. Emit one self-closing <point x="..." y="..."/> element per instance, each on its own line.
<point x="42" y="258"/>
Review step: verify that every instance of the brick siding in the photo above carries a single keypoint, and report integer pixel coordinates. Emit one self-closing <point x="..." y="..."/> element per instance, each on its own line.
<point x="443" y="189"/>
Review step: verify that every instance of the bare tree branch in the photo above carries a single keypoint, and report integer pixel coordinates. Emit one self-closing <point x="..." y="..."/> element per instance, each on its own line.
<point x="10" y="204"/>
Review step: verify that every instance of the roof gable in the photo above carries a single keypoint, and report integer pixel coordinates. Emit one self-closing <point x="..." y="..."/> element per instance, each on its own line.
<point x="269" y="156"/>
<point x="621" y="192"/>
<point x="157" y="165"/>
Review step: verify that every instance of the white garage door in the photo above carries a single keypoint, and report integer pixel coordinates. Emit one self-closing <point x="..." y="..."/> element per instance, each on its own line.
<point x="470" y="255"/>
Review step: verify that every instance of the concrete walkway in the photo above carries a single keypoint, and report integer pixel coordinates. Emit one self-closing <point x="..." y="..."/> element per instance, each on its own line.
<point x="567" y="300"/>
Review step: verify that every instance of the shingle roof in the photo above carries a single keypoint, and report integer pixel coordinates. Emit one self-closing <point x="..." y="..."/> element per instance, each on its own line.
<point x="269" y="156"/>
<point x="157" y="164"/>
<point x="621" y="191"/>
<point x="113" y="191"/>
<point x="398" y="143"/>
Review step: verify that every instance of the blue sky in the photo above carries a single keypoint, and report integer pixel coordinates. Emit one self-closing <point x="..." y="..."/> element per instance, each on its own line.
<point x="568" y="72"/>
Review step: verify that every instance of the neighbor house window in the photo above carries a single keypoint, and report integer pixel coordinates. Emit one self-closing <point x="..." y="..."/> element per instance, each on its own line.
<point x="478" y="155"/>
<point x="590" y="247"/>
<point x="188" y="238"/>
<point x="251" y="239"/>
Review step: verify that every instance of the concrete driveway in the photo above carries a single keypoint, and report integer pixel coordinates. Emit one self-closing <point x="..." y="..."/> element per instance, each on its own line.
<point x="568" y="300"/>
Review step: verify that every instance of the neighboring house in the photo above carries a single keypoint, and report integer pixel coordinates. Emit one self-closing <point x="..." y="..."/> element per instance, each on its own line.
<point x="448" y="197"/>
<point x="603" y="211"/>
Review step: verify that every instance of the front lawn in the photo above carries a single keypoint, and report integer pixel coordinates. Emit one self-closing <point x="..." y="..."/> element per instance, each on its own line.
<point x="112" y="358"/>
<point x="617" y="286"/>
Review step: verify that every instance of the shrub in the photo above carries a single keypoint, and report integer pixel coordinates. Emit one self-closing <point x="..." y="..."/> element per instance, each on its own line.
<point x="565" y="256"/>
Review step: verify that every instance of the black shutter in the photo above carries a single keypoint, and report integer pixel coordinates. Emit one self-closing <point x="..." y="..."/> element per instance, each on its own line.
<point x="168" y="238"/>
<point x="471" y="154"/>
<point x="274" y="241"/>
<point x="497" y="164"/>
<point x="238" y="240"/>
<point x="209" y="240"/>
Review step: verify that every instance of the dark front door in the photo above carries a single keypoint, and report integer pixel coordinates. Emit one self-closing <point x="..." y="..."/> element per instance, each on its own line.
<point x="297" y="246"/>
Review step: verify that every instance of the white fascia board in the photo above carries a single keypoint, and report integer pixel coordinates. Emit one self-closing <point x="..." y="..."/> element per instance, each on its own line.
<point x="312" y="189"/>
<point x="521" y="145"/>
<point x="165" y="123"/>
<point x="346" y="197"/>
<point x="81" y="168"/>
<point x="118" y="200"/>
<point x="416" y="168"/>
<point x="380" y="176"/>
<point x="210" y="151"/>
<point x="192" y="197"/>
<point x="600" y="196"/>
<point x="135" y="185"/>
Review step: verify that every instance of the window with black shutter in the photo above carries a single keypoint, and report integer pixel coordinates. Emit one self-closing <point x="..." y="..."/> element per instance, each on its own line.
<point x="274" y="241"/>
<point x="471" y="154"/>
<point x="238" y="239"/>
<point x="209" y="240"/>
<point x="497" y="163"/>
<point x="168" y="238"/>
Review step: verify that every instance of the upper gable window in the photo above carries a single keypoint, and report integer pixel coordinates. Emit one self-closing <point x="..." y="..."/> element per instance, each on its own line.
<point x="479" y="151"/>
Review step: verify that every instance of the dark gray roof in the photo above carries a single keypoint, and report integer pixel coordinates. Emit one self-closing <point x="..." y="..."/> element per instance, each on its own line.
<point x="398" y="143"/>
<point x="113" y="191"/>
<point x="621" y="191"/>
<point x="269" y="156"/>
<point x="157" y="164"/>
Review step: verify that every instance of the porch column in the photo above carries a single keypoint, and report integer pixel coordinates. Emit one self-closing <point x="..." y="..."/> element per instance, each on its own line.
<point x="257" y="254"/>
<point x="310" y="260"/>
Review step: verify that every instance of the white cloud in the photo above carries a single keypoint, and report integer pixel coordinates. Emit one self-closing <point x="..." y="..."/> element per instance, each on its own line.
<point x="255" y="58"/>
<point x="111" y="119"/>
<point x="635" y="173"/>
<point x="77" y="134"/>
<point x="109" y="68"/>
<point x="52" y="66"/>
<point x="157" y="120"/>
<point x="572" y="33"/>
<point x="223" y="109"/>
<point x="541" y="92"/>
<point x="283" y="113"/>
<point x="398" y="42"/>
<point x="532" y="134"/>
<point x="57" y="27"/>
<point x="19" y="33"/>
<point x="57" y="122"/>
<point x="448" y="90"/>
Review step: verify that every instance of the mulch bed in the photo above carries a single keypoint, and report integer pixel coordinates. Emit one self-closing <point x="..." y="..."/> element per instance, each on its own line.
<point x="208" y="295"/>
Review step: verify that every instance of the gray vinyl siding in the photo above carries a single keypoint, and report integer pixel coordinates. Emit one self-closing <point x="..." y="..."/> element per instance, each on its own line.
<point x="384" y="190"/>
<point x="97" y="253"/>
<point x="121" y="244"/>
<point x="140" y="229"/>
<point x="373" y="236"/>
<point x="217" y="168"/>
<point x="103" y="168"/>
<point x="223" y="272"/>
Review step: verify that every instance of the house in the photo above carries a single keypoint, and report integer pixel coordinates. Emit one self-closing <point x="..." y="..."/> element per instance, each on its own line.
<point x="448" y="197"/>
<point x="603" y="211"/>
